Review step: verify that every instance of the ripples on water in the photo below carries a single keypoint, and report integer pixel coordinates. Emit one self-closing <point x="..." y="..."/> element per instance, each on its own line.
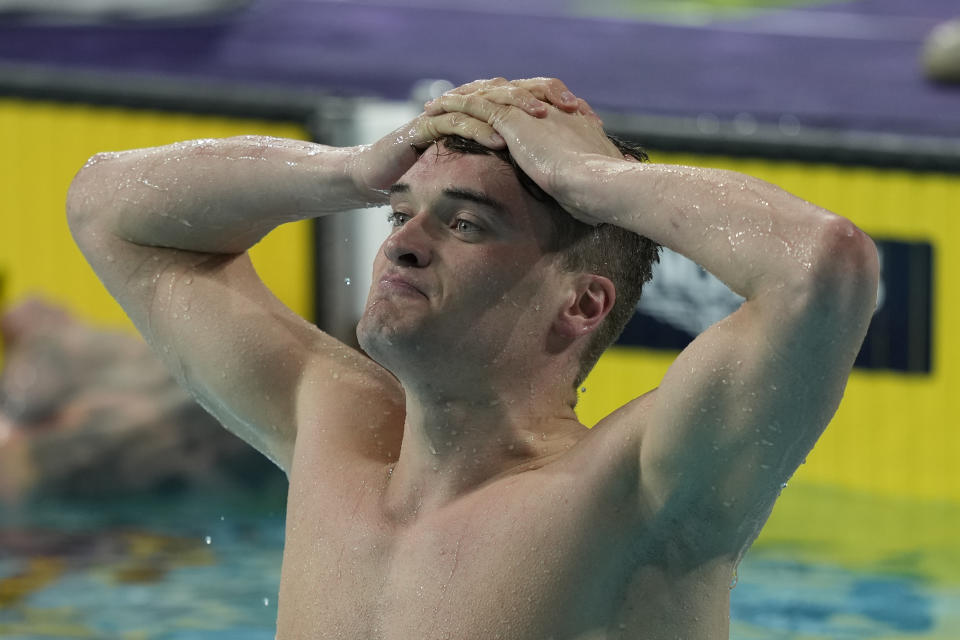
<point x="209" y="569"/>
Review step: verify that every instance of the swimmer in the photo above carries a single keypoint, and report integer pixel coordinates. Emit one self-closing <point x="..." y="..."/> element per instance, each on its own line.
<point x="87" y="413"/>
<point x="440" y="484"/>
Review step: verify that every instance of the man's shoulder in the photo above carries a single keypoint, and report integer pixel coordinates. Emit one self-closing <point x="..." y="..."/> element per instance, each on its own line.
<point x="630" y="419"/>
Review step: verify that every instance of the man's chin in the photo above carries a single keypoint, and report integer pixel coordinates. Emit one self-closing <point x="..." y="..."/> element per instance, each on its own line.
<point x="386" y="341"/>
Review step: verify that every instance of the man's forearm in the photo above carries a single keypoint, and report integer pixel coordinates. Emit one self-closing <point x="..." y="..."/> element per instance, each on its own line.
<point x="215" y="196"/>
<point x="752" y="235"/>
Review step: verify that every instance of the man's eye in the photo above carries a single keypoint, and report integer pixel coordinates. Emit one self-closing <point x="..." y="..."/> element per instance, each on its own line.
<point x="465" y="226"/>
<point x="396" y="219"/>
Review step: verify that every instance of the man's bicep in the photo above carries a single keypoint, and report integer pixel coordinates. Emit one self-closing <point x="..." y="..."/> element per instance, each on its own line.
<point x="735" y="415"/>
<point x="220" y="331"/>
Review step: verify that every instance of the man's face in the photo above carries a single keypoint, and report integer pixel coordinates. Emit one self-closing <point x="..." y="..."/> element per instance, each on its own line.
<point x="464" y="272"/>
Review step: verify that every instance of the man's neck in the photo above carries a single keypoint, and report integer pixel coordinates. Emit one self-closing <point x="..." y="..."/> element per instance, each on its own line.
<point x="455" y="443"/>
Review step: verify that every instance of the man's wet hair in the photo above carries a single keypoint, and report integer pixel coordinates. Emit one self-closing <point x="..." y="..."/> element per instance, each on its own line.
<point x="626" y="258"/>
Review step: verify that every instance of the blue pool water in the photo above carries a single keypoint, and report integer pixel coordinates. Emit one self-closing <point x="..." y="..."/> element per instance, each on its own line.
<point x="208" y="569"/>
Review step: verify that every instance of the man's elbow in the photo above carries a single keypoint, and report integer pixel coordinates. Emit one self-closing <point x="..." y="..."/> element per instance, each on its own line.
<point x="846" y="268"/>
<point x="86" y="203"/>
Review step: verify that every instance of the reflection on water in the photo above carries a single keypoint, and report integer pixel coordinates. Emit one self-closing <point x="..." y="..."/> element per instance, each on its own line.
<point x="784" y="598"/>
<point x="146" y="572"/>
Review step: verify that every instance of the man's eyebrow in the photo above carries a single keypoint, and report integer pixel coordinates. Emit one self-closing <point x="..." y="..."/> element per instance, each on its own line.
<point x="459" y="193"/>
<point x="475" y="196"/>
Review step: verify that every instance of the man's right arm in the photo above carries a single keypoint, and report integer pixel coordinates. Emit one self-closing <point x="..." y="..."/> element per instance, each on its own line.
<point x="167" y="229"/>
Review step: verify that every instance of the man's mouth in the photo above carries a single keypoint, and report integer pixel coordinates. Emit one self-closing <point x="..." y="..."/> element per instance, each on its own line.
<point x="401" y="285"/>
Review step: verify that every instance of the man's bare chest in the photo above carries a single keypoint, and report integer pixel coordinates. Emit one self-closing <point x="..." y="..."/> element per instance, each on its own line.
<point x="534" y="561"/>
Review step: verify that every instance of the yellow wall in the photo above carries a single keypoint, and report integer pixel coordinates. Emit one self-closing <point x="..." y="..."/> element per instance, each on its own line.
<point x="894" y="442"/>
<point x="43" y="146"/>
<point x="895" y="434"/>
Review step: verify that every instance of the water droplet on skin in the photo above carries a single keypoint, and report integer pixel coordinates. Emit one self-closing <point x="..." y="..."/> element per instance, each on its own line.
<point x="583" y="389"/>
<point x="109" y="258"/>
<point x="266" y="602"/>
<point x="188" y="280"/>
<point x="346" y="281"/>
<point x="208" y="540"/>
<point x="734" y="579"/>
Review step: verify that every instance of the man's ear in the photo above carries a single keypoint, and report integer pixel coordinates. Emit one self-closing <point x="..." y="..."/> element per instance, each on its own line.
<point x="589" y="303"/>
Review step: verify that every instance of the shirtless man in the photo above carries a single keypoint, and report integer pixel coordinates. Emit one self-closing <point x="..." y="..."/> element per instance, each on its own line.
<point x="443" y="487"/>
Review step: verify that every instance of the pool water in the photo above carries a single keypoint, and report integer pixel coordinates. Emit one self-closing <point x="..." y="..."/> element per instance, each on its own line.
<point x="208" y="568"/>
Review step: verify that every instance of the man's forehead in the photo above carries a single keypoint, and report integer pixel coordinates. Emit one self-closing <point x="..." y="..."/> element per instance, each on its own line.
<point x="442" y="170"/>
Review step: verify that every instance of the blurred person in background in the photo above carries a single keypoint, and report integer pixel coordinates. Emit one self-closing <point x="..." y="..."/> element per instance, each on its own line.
<point x="93" y="414"/>
<point x="440" y="483"/>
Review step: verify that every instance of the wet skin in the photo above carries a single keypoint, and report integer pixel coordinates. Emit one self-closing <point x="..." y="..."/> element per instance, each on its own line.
<point x="501" y="515"/>
<point x="444" y="488"/>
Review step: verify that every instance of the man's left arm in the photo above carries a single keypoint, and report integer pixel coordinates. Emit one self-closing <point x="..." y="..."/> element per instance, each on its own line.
<point x="743" y="404"/>
<point x="741" y="407"/>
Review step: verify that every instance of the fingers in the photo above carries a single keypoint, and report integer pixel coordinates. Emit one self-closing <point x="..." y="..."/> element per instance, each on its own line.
<point x="507" y="95"/>
<point x="490" y="107"/>
<point x="551" y="90"/>
<point x="586" y="110"/>
<point x="531" y="95"/>
<point x="455" y="123"/>
<point x="476" y="85"/>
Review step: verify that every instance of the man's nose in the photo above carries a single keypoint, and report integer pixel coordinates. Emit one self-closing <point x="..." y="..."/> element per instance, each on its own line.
<point x="410" y="244"/>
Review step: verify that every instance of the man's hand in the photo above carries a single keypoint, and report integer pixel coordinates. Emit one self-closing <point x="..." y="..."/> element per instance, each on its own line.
<point x="551" y="146"/>
<point x="379" y="165"/>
